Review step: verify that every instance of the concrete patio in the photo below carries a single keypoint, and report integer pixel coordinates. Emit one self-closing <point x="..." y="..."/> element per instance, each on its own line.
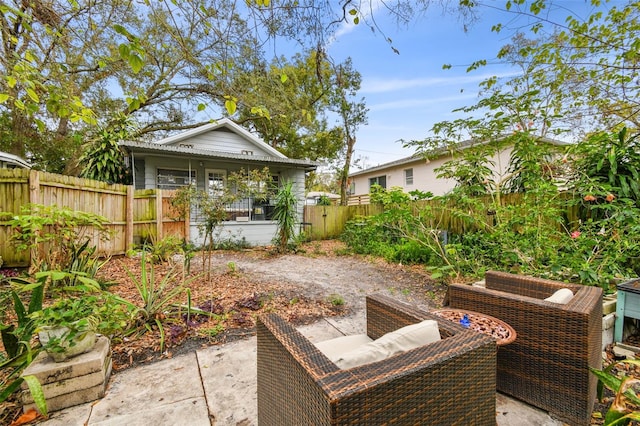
<point x="217" y="386"/>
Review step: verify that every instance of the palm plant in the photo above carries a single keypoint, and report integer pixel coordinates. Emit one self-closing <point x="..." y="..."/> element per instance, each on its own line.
<point x="285" y="214"/>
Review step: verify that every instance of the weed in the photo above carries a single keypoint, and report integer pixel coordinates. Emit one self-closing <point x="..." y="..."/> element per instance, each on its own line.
<point x="212" y="331"/>
<point x="232" y="268"/>
<point x="336" y="300"/>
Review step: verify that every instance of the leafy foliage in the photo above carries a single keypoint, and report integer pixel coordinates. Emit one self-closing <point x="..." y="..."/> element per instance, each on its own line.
<point x="64" y="233"/>
<point x="607" y="165"/>
<point x="626" y="404"/>
<point x="530" y="232"/>
<point x="157" y="296"/>
<point x="16" y="338"/>
<point x="104" y="160"/>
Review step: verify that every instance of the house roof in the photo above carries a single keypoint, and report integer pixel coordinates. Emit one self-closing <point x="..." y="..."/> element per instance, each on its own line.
<point x="155" y="148"/>
<point x="439" y="153"/>
<point x="313" y="194"/>
<point x="5" y="157"/>
<point x="216" y="125"/>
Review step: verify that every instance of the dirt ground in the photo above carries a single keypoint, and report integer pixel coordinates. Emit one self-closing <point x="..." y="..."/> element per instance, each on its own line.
<point x="317" y="281"/>
<point x="303" y="287"/>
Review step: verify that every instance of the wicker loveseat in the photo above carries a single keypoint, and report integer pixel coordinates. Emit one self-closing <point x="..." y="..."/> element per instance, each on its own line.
<point x="448" y="382"/>
<point x="548" y="363"/>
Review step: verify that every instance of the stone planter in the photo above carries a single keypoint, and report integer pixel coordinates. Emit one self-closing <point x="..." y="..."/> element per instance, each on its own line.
<point x="82" y="342"/>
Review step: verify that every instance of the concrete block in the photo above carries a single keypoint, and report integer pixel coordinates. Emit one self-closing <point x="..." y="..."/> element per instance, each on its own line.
<point x="608" y="327"/>
<point x="621" y="352"/>
<point x="71" y="399"/>
<point x="69" y="386"/>
<point x="46" y="370"/>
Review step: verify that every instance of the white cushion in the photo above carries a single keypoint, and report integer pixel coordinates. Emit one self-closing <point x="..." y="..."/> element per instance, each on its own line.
<point x="335" y="348"/>
<point x="561" y="296"/>
<point x="404" y="339"/>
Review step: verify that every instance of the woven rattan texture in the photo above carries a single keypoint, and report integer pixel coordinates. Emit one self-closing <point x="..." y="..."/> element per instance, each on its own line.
<point x="548" y="363"/>
<point x="444" y="383"/>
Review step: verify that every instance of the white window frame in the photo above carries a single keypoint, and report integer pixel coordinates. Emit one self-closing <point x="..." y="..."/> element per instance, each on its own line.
<point x="408" y="176"/>
<point x="215" y="192"/>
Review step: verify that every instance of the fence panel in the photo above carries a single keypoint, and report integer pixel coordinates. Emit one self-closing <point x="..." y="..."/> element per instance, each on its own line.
<point x="89" y="196"/>
<point x="14" y="193"/>
<point x="324" y="222"/>
<point x="131" y="215"/>
<point x="172" y="223"/>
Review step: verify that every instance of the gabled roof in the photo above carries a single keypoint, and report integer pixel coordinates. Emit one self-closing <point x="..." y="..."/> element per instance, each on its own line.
<point x="216" y="125"/>
<point x="439" y="153"/>
<point x="171" y="150"/>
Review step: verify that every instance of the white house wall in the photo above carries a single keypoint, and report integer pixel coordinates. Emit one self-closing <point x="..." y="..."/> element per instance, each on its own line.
<point x="222" y="140"/>
<point x="424" y="175"/>
<point x="259" y="233"/>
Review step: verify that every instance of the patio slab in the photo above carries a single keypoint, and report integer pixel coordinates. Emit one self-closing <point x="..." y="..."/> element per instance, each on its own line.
<point x="217" y="386"/>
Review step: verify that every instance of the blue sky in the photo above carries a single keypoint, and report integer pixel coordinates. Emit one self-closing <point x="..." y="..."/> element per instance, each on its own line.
<point x="407" y="93"/>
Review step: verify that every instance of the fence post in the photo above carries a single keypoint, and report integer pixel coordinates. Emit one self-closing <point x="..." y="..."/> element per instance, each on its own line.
<point x="128" y="242"/>
<point x="34" y="187"/>
<point x="159" y="214"/>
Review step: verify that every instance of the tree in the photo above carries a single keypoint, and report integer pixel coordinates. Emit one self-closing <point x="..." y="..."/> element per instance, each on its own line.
<point x="352" y="113"/>
<point x="70" y="65"/>
<point x="285" y="102"/>
<point x="584" y="68"/>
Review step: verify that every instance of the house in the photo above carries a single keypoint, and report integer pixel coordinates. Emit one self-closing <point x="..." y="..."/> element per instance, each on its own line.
<point x="313" y="197"/>
<point x="206" y="156"/>
<point x="10" y="161"/>
<point x="418" y="172"/>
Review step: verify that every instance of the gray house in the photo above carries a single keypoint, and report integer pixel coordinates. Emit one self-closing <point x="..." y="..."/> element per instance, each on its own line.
<point x="206" y="156"/>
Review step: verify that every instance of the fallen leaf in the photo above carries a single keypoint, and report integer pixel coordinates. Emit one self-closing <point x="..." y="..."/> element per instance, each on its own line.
<point x="27" y="417"/>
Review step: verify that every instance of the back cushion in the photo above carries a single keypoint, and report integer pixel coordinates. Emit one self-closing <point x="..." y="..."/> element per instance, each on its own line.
<point x="404" y="339"/>
<point x="335" y="348"/>
<point x="561" y="296"/>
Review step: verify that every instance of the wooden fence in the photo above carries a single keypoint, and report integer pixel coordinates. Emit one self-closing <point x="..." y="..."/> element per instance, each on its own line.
<point x="325" y="222"/>
<point x="133" y="216"/>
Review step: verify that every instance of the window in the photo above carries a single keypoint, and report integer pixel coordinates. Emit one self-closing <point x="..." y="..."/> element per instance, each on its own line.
<point x="174" y="179"/>
<point x="378" y="180"/>
<point x="408" y="177"/>
<point x="215" y="181"/>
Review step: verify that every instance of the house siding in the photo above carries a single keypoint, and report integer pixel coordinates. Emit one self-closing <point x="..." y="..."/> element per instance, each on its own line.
<point x="424" y="175"/>
<point x="222" y="140"/>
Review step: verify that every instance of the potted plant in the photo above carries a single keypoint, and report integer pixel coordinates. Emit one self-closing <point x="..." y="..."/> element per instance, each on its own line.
<point x="68" y="327"/>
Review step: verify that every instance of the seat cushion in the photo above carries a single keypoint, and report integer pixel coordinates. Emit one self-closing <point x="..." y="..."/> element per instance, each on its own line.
<point x="562" y="296"/>
<point x="335" y="348"/>
<point x="404" y="339"/>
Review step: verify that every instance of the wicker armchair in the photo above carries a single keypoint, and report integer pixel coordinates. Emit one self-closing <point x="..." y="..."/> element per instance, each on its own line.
<point x="548" y="364"/>
<point x="448" y="382"/>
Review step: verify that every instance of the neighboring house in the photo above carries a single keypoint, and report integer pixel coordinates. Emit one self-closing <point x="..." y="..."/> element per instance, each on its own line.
<point x="10" y="161"/>
<point x="205" y="156"/>
<point x="314" y="196"/>
<point x="418" y="173"/>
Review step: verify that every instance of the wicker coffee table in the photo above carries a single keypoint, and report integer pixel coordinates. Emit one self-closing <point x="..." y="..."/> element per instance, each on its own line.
<point x="502" y="332"/>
